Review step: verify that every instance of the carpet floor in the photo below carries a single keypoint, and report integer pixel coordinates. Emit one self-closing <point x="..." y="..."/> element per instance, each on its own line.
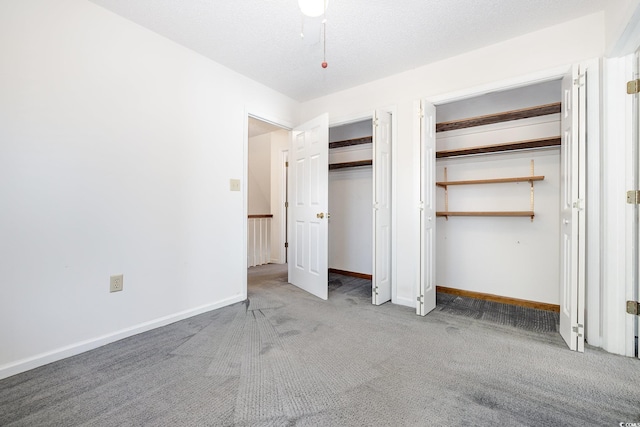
<point x="286" y="358"/>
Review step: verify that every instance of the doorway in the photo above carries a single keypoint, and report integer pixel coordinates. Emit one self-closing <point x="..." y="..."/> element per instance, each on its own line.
<point x="582" y="87"/>
<point x="504" y="255"/>
<point x="267" y="151"/>
<point x="360" y="200"/>
<point x="305" y="216"/>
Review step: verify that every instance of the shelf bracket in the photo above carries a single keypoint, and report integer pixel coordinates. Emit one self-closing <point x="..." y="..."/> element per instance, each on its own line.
<point x="531" y="183"/>
<point x="446" y="194"/>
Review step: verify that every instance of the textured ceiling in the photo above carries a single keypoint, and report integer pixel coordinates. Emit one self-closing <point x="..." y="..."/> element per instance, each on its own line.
<point x="365" y="40"/>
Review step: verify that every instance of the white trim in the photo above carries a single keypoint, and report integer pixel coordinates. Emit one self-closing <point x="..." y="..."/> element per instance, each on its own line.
<point x="267" y="118"/>
<point x="634" y="292"/>
<point x="613" y="249"/>
<point x="350" y="118"/>
<point x="416" y="124"/>
<point x="593" y="267"/>
<point x="631" y="218"/>
<point x="526" y="80"/>
<point x="83" y="346"/>
<point x="245" y="200"/>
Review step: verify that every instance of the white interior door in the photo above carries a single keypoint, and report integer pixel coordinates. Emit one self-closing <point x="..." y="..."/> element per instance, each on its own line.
<point x="308" y="202"/>
<point x="381" y="284"/>
<point x="572" y="227"/>
<point x="426" y="299"/>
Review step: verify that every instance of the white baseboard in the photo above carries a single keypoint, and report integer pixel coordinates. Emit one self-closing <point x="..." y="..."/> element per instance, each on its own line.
<point x="23" y="365"/>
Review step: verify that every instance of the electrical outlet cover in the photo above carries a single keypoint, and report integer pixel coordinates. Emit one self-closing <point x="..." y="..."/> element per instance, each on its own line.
<point x="115" y="283"/>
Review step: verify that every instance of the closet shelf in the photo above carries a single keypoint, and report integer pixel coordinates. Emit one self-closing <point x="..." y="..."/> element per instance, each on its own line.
<point x="357" y="163"/>
<point x="350" y="142"/>
<point x="494" y="148"/>
<point x="487" y="213"/>
<point x="491" y="181"/>
<point x="524" y="113"/>
<point x="446" y="183"/>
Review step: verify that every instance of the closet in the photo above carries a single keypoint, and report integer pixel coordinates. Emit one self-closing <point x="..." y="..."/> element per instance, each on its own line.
<point x="498" y="195"/>
<point x="351" y="199"/>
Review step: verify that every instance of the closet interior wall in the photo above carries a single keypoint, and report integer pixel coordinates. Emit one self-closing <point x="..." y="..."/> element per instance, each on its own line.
<point x="514" y="257"/>
<point x="350" y="201"/>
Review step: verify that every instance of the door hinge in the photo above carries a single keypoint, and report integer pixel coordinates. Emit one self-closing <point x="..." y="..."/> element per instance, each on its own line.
<point x="286" y="244"/>
<point x="375" y="122"/>
<point x="420" y="299"/>
<point x="633" y="197"/>
<point x="420" y="112"/>
<point x="578" y="329"/>
<point x="286" y="204"/>
<point x="633" y="87"/>
<point x="579" y="81"/>
<point x="633" y="307"/>
<point x="286" y="164"/>
<point x="375" y="290"/>
<point x="579" y="204"/>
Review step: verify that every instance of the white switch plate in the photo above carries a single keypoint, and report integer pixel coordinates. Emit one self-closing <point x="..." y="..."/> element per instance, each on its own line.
<point x="234" y="184"/>
<point x="115" y="283"/>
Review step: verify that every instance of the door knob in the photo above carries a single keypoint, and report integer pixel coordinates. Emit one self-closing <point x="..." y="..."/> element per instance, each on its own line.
<point x="320" y="215"/>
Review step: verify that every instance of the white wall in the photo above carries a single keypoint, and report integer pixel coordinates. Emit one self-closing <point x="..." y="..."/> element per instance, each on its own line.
<point x="520" y="59"/>
<point x="116" y="150"/>
<point x="259" y="175"/>
<point x="622" y="26"/>
<point x="512" y="257"/>
<point x="504" y="100"/>
<point x="350" y="226"/>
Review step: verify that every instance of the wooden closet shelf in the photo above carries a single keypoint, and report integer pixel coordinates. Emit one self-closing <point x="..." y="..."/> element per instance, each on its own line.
<point x="524" y="113"/>
<point x="487" y="213"/>
<point x="496" y="148"/>
<point x="491" y="181"/>
<point x="350" y="164"/>
<point x="350" y="142"/>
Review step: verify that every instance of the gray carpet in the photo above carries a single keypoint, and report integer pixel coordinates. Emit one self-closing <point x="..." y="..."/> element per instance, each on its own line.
<point x="505" y="314"/>
<point x="285" y="358"/>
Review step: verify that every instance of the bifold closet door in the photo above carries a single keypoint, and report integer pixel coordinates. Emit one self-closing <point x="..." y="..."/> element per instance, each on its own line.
<point x="308" y="204"/>
<point x="381" y="284"/>
<point x="426" y="298"/>
<point x="572" y="215"/>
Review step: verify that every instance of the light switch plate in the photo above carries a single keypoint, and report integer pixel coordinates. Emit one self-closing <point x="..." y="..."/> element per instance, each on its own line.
<point x="234" y="184"/>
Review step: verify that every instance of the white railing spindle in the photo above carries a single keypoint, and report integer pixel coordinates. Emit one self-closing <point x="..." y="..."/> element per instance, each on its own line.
<point x="258" y="240"/>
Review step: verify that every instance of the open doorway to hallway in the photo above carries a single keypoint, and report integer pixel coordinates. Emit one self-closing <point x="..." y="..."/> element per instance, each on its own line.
<point x="267" y="150"/>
